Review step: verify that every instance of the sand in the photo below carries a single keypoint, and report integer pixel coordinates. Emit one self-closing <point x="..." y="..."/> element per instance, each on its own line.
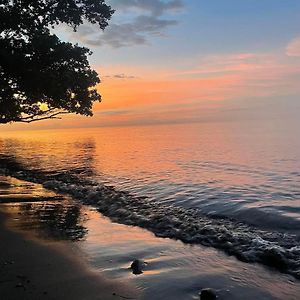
<point x="33" y="269"/>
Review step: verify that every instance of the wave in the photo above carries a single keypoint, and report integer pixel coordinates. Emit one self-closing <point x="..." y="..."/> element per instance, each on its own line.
<point x="247" y="243"/>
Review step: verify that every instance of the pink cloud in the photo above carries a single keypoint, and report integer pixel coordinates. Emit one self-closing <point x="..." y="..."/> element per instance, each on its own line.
<point x="255" y="74"/>
<point x="293" y="48"/>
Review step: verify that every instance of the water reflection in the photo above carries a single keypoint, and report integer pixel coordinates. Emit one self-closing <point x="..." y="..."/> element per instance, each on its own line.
<point x="51" y="153"/>
<point x="52" y="220"/>
<point x="217" y="168"/>
<point x="41" y="213"/>
<point x="175" y="270"/>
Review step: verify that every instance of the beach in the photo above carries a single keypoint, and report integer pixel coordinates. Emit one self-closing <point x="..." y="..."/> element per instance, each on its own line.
<point x="32" y="268"/>
<point x="61" y="249"/>
<point x="149" y="150"/>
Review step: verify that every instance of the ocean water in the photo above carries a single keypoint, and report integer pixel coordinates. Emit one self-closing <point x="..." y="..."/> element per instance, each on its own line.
<point x="230" y="186"/>
<point x="174" y="270"/>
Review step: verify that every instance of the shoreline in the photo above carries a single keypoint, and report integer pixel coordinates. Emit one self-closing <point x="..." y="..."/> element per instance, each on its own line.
<point x="30" y="269"/>
<point x="37" y="262"/>
<point x="247" y="243"/>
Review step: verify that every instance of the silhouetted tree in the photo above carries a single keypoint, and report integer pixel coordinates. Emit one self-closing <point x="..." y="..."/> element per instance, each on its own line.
<point x="41" y="76"/>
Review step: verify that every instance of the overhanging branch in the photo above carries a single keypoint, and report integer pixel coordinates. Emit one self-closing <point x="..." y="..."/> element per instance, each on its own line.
<point x="39" y="117"/>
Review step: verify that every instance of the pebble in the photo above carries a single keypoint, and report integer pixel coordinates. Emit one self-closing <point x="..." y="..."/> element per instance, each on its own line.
<point x="208" y="294"/>
<point x="137" y="266"/>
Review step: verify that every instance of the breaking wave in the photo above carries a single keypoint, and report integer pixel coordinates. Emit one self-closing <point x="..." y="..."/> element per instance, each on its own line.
<point x="247" y="243"/>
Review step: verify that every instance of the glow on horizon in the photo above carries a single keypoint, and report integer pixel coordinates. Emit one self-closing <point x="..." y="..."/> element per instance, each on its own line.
<point x="169" y="79"/>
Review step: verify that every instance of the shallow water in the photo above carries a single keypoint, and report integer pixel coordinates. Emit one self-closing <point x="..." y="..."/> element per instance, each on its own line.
<point x="174" y="271"/>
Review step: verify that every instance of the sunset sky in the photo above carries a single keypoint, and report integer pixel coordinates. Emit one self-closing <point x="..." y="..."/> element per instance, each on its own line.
<point x="192" y="61"/>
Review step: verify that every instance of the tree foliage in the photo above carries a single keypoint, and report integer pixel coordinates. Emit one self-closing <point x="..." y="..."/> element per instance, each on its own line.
<point x="40" y="75"/>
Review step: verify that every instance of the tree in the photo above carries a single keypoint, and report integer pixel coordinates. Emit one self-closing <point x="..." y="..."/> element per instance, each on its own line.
<point x="42" y="77"/>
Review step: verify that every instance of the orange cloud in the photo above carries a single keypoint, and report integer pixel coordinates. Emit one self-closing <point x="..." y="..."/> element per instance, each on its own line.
<point x="197" y="92"/>
<point x="219" y="78"/>
<point x="147" y="92"/>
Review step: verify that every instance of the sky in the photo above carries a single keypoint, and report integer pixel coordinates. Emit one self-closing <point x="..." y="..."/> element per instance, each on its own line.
<point x="184" y="61"/>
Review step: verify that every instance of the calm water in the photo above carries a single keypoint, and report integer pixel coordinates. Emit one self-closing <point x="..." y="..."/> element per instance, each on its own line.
<point x="249" y="171"/>
<point x="230" y="186"/>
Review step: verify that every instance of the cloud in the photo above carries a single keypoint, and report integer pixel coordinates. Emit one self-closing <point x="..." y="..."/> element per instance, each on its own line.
<point x="136" y="32"/>
<point x="255" y="74"/>
<point x="115" y="112"/>
<point x="293" y="48"/>
<point x="154" y="7"/>
<point x="224" y="87"/>
<point x="146" y="19"/>
<point x="210" y="82"/>
<point x="116" y="36"/>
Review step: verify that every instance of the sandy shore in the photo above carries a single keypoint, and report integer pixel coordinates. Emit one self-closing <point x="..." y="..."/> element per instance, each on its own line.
<point x="30" y="269"/>
<point x="41" y="257"/>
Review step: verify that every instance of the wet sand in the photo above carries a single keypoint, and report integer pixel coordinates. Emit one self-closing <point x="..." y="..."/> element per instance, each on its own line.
<point x="50" y="270"/>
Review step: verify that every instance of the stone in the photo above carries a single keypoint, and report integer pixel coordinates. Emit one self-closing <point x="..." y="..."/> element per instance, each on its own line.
<point x="208" y="294"/>
<point x="137" y="266"/>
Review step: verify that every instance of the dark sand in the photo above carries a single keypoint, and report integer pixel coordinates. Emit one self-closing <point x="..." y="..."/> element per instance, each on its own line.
<point x="32" y="269"/>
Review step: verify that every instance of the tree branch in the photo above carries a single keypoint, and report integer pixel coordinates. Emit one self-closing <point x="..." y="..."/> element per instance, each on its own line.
<point x="39" y="114"/>
<point x="31" y="119"/>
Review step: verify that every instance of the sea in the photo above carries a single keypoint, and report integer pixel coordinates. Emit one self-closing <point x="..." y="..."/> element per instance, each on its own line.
<point x="213" y="204"/>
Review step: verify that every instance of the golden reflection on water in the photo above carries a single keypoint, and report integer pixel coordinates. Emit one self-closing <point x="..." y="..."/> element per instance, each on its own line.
<point x="30" y="207"/>
<point x="169" y="152"/>
<point x="14" y="190"/>
<point x="207" y="166"/>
